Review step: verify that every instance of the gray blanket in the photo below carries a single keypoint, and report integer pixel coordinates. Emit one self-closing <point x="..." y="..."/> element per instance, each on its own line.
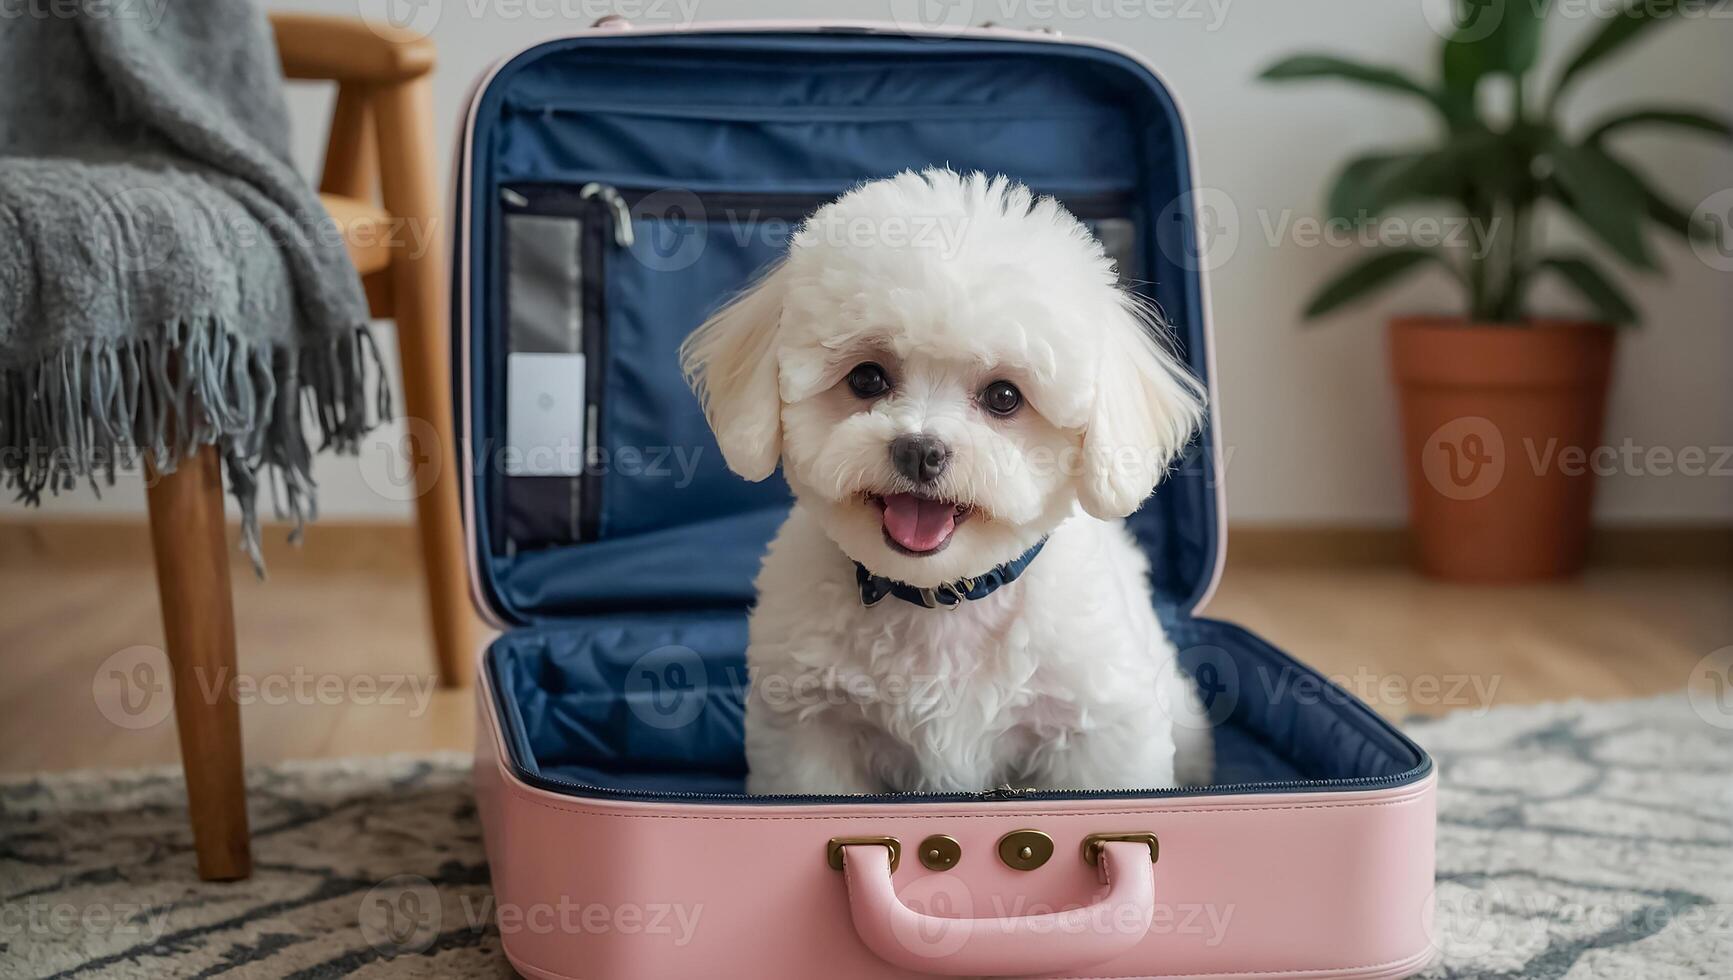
<point x="167" y="279"/>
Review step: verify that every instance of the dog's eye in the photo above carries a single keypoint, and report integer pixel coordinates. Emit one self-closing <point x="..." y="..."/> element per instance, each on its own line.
<point x="868" y="380"/>
<point x="1002" y="398"/>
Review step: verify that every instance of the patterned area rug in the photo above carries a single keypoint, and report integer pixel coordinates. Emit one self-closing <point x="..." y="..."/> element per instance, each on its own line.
<point x="1574" y="841"/>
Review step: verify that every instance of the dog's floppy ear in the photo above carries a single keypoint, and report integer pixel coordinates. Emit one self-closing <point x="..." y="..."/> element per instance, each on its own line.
<point x="730" y="363"/>
<point x="1146" y="407"/>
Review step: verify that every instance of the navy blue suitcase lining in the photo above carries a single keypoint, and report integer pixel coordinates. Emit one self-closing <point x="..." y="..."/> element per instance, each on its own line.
<point x="640" y="707"/>
<point x="650" y="610"/>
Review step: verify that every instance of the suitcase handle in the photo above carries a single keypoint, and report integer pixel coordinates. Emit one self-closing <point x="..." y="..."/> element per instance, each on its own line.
<point x="1009" y="946"/>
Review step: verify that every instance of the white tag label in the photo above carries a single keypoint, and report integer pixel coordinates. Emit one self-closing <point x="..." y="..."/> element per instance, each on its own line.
<point x="544" y="415"/>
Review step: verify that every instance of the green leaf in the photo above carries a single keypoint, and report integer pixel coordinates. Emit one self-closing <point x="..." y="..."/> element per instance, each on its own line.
<point x="1660" y="210"/>
<point x="1610" y="304"/>
<point x="1315" y="66"/>
<point x="1370" y="185"/>
<point x="1513" y="44"/>
<point x="1605" y="197"/>
<point x="1509" y="44"/>
<point x="1365" y="277"/>
<point x="1496" y="164"/>
<point x="1686" y="118"/>
<point x="1619" y="30"/>
<point x="1516" y="42"/>
<point x="1462" y="64"/>
<point x="1355" y="194"/>
<point x="1676" y="219"/>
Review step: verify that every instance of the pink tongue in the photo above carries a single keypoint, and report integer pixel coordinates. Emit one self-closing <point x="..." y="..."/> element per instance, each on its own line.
<point x="916" y="524"/>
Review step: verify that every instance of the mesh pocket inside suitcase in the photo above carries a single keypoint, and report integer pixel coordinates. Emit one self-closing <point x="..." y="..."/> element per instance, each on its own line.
<point x="651" y="707"/>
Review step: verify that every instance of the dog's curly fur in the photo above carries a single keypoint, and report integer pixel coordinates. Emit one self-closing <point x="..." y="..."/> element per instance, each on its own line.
<point x="1060" y="680"/>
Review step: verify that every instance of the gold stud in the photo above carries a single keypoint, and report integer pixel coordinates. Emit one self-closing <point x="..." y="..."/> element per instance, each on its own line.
<point x="940" y="852"/>
<point x="1025" y="850"/>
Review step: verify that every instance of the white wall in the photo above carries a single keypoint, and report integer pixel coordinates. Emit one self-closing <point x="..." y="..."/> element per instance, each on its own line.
<point x="1309" y="411"/>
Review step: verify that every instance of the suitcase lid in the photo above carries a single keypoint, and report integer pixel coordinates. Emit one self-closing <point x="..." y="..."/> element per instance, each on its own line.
<point x="708" y="135"/>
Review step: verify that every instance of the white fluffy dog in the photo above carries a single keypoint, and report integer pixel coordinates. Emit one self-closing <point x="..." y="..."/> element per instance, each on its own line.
<point x="965" y="404"/>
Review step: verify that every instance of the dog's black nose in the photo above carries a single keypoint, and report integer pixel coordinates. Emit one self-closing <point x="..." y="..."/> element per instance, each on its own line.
<point x="921" y="458"/>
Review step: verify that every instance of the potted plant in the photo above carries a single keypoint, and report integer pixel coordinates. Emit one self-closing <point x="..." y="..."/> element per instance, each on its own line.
<point x="1501" y="405"/>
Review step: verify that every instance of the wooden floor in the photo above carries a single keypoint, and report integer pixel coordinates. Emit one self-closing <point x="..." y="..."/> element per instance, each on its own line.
<point x="337" y="645"/>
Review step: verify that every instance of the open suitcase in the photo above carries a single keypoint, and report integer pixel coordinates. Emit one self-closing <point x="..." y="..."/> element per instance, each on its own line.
<point x="613" y="187"/>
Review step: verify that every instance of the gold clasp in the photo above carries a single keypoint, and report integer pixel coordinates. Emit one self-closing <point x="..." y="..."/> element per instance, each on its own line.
<point x="833" y="850"/>
<point x="1092" y="845"/>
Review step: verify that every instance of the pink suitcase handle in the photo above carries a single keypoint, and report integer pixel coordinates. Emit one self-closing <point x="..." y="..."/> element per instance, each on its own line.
<point x="1010" y="946"/>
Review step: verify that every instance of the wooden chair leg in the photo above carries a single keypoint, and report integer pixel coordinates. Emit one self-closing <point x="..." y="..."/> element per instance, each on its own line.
<point x="187" y="534"/>
<point x="404" y="115"/>
<point x="351" y="154"/>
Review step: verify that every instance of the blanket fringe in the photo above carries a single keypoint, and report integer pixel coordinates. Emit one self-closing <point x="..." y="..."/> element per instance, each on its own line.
<point x="102" y="406"/>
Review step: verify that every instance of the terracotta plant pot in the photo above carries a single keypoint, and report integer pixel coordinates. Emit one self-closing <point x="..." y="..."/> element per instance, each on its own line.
<point x="1500" y="425"/>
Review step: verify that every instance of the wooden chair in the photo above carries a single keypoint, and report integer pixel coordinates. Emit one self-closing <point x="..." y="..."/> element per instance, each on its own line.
<point x="381" y="140"/>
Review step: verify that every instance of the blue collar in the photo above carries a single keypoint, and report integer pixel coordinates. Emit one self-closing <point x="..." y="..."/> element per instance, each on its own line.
<point x="949" y="594"/>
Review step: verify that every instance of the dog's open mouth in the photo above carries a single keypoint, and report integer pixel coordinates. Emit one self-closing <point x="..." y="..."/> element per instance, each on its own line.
<point x="917" y="525"/>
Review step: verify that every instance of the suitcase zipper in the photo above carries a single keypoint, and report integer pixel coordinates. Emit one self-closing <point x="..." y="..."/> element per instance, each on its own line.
<point x="854" y="114"/>
<point x="621" y="214"/>
<point x="623" y="203"/>
<point x="1000" y="795"/>
<point x="771" y="205"/>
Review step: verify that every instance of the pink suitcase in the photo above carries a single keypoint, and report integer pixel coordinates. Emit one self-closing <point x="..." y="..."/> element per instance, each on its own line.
<point x="613" y="186"/>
